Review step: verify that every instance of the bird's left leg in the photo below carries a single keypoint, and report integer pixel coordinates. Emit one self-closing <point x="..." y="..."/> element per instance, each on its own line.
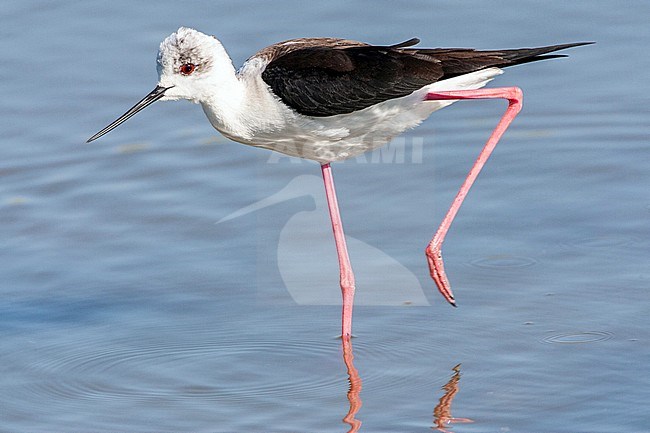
<point x="346" y="275"/>
<point x="433" y="250"/>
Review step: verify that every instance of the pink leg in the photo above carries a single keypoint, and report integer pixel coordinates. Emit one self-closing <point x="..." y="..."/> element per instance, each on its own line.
<point x="433" y="253"/>
<point x="347" y="277"/>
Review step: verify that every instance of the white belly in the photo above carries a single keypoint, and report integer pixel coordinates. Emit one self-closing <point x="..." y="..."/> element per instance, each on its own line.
<point x="335" y="138"/>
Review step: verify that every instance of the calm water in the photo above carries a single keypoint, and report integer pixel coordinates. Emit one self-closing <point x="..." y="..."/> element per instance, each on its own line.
<point x="127" y="304"/>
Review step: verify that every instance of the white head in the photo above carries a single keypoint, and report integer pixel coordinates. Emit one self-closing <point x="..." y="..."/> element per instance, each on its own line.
<point x="191" y="65"/>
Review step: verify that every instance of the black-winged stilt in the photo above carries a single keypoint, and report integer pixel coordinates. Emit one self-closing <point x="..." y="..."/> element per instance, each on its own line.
<point x="328" y="99"/>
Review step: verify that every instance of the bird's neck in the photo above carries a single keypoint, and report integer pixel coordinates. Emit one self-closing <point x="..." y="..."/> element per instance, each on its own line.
<point x="239" y="104"/>
<point x="223" y="93"/>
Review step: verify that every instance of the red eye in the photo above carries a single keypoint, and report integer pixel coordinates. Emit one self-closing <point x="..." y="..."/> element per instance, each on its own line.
<point x="187" y="68"/>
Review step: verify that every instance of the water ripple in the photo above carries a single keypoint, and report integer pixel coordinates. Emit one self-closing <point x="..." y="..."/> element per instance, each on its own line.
<point x="578" y="337"/>
<point x="599" y="242"/>
<point x="145" y="370"/>
<point x="502" y="261"/>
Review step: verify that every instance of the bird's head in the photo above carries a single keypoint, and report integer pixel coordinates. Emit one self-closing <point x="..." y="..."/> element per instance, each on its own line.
<point x="186" y="64"/>
<point x="189" y="64"/>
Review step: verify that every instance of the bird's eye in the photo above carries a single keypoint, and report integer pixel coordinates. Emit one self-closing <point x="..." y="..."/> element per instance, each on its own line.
<point x="187" y="68"/>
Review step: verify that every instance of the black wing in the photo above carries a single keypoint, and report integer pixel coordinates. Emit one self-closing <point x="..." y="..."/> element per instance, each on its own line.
<point x="325" y="81"/>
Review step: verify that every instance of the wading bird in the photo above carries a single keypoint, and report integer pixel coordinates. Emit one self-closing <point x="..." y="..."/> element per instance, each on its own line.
<point x="328" y="99"/>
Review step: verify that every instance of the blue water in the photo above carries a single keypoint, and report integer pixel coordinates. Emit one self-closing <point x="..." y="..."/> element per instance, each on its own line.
<point x="126" y="304"/>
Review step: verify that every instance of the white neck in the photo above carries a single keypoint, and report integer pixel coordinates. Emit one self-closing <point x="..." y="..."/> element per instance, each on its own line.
<point x="239" y="104"/>
<point x="224" y="94"/>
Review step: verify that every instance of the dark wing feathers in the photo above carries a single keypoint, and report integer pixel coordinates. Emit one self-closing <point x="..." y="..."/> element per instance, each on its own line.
<point x="371" y="75"/>
<point x="459" y="61"/>
<point x="326" y="80"/>
<point x="318" y="81"/>
<point x="409" y="43"/>
<point x="525" y="55"/>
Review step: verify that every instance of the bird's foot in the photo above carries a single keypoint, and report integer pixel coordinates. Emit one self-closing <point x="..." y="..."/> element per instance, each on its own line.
<point x="437" y="271"/>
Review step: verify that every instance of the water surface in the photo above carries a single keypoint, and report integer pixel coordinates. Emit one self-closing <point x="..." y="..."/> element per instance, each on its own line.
<point x="126" y="304"/>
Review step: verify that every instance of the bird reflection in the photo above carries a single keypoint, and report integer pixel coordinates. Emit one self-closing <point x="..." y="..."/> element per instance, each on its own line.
<point x="442" y="412"/>
<point x="355" y="386"/>
<point x="442" y="417"/>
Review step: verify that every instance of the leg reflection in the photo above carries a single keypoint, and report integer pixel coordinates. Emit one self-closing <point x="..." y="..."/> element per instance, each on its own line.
<point x="355" y="386"/>
<point x="442" y="412"/>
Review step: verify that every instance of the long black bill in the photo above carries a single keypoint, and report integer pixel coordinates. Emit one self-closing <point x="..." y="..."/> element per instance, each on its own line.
<point x="152" y="97"/>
